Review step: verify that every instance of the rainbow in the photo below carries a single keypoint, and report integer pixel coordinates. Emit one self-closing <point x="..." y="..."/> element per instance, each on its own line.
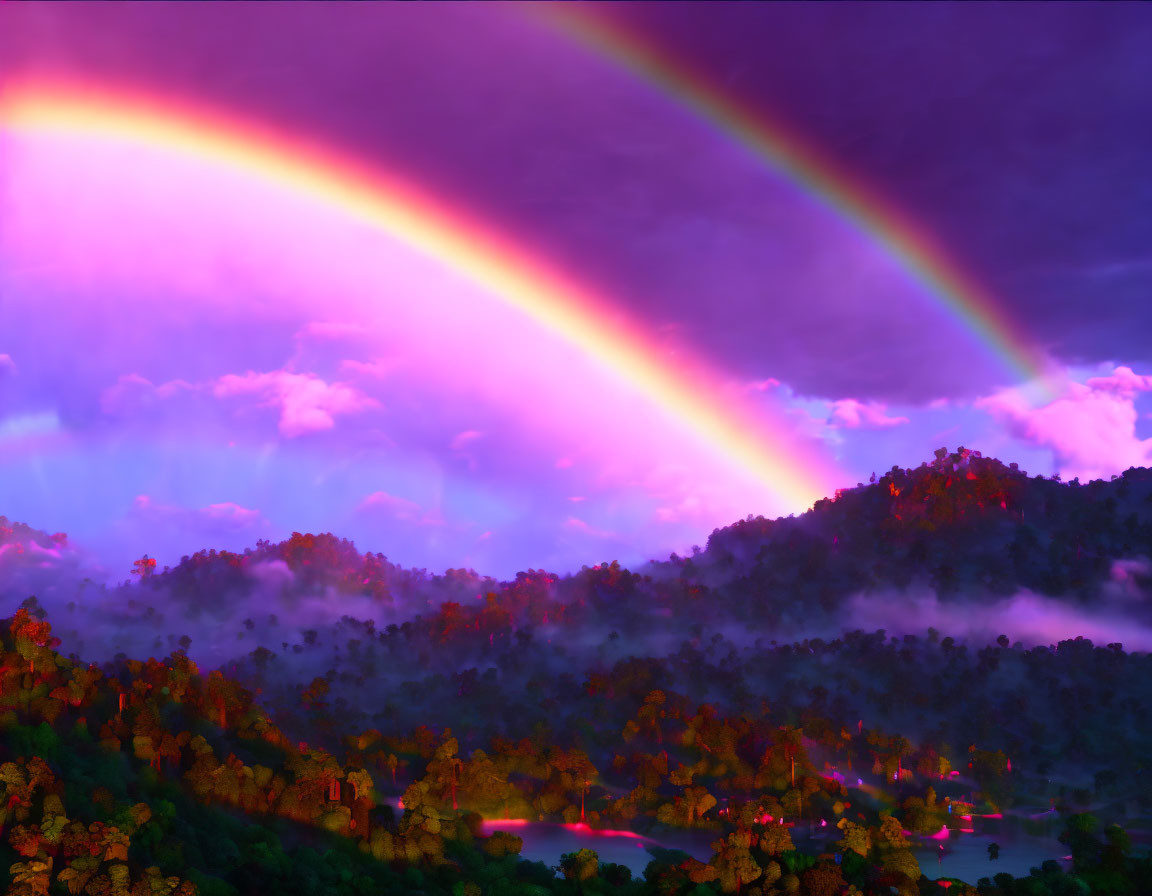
<point x="957" y="292"/>
<point x="763" y="448"/>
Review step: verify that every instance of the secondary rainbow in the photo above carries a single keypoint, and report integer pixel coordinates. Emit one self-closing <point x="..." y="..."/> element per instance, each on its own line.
<point x="690" y="395"/>
<point x="787" y="152"/>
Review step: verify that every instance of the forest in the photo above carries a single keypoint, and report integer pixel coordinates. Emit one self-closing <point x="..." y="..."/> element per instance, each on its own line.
<point x="898" y="691"/>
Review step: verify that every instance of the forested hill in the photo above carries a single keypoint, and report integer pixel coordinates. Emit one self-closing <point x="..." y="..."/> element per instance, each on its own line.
<point x="716" y="694"/>
<point x="967" y="526"/>
<point x="963" y="528"/>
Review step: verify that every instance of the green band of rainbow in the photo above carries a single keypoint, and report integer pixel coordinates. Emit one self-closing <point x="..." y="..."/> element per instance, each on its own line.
<point x="816" y="174"/>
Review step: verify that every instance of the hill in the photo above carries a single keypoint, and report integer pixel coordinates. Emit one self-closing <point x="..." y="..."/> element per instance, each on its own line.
<point x="706" y="694"/>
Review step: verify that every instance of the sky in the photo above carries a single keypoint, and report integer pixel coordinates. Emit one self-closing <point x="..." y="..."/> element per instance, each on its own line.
<point x="539" y="286"/>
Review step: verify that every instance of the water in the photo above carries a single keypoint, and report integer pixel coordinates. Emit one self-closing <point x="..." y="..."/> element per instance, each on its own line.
<point x="544" y="842"/>
<point x="966" y="853"/>
<point x="965" y="857"/>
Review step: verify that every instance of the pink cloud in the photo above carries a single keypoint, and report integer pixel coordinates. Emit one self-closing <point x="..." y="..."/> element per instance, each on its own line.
<point x="400" y="509"/>
<point x="675" y="494"/>
<point x="853" y="414"/>
<point x="7" y="365"/>
<point x="377" y="369"/>
<point x="231" y="513"/>
<point x="563" y="463"/>
<point x="329" y="329"/>
<point x="1122" y="382"/>
<point x="132" y="391"/>
<point x="812" y="425"/>
<point x="688" y="508"/>
<point x="764" y="385"/>
<point x="1090" y="428"/>
<point x="574" y="524"/>
<point x="577" y="498"/>
<point x="128" y="390"/>
<point x="226" y="517"/>
<point x="306" y="402"/>
<point x="462" y="440"/>
<point x="170" y="388"/>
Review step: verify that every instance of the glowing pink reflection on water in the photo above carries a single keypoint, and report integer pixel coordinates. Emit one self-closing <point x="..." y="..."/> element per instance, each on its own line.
<point x="581" y="828"/>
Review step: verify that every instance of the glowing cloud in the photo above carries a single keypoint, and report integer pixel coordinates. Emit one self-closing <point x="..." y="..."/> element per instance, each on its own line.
<point x="1090" y="428"/>
<point x="853" y="414"/>
<point x="224" y="516"/>
<point x="399" y="508"/>
<point x="306" y="402"/>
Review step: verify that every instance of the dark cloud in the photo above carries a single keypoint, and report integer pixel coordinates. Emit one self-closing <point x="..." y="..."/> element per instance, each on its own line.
<point x="1018" y="135"/>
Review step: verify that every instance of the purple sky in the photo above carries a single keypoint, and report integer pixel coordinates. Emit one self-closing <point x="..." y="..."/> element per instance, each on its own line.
<point x="189" y="359"/>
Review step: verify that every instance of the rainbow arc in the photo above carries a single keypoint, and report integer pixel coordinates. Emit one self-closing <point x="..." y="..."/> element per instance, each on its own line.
<point x="751" y="441"/>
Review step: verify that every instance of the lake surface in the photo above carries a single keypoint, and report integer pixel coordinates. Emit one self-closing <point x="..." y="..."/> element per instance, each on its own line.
<point x="965" y="854"/>
<point x="544" y="842"/>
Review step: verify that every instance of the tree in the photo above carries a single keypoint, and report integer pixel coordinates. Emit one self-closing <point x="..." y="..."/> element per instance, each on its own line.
<point x="733" y="861"/>
<point x="145" y="567"/>
<point x="581" y="865"/>
<point x="903" y="869"/>
<point x="776" y="839"/>
<point x="31" y="878"/>
<point x="823" y="880"/>
<point x="857" y="838"/>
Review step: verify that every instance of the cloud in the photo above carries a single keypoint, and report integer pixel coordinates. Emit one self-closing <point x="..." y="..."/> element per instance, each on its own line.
<point x="133" y="392"/>
<point x="400" y="509"/>
<point x="1128" y="578"/>
<point x="329" y="329"/>
<point x="1027" y="617"/>
<point x="575" y="524"/>
<point x="1122" y="382"/>
<point x="688" y="508"/>
<point x="7" y="365"/>
<point x="377" y="369"/>
<point x="853" y="414"/>
<point x="127" y="391"/>
<point x="1090" y="428"/>
<point x="306" y="402"/>
<point x="273" y="574"/>
<point x="224" y="517"/>
<point x="463" y="439"/>
<point x="231" y="513"/>
<point x="746" y="386"/>
<point x="24" y="425"/>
